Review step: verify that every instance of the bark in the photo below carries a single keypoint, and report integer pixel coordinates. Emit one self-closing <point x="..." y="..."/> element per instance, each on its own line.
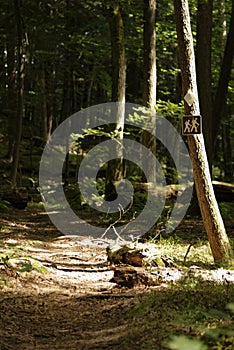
<point x="43" y="103"/>
<point x="115" y="167"/>
<point x="225" y="74"/>
<point x="117" y="54"/>
<point x="20" y="93"/>
<point x="203" y="67"/>
<point x="66" y="111"/>
<point x="227" y="152"/>
<point x="11" y="93"/>
<point x="67" y="103"/>
<point x="3" y="74"/>
<point x="149" y="87"/>
<point x="46" y="86"/>
<point x="68" y="95"/>
<point x="226" y="115"/>
<point x="212" y="219"/>
<point x="149" y="81"/>
<point x="90" y="86"/>
<point x="51" y="97"/>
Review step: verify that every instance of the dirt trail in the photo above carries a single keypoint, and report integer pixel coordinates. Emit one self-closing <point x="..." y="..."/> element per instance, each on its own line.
<point x="65" y="300"/>
<point x="71" y="306"/>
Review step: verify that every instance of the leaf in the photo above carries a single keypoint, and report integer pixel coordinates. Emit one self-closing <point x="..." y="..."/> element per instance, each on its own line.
<point x="230" y="306"/>
<point x="26" y="267"/>
<point x="184" y="343"/>
<point x="4" y="206"/>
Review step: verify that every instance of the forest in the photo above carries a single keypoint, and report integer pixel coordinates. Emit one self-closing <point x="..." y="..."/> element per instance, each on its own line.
<point x="173" y="286"/>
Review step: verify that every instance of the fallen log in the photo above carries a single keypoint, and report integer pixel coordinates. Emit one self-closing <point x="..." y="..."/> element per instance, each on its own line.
<point x="129" y="276"/>
<point x="224" y="191"/>
<point x="138" y="257"/>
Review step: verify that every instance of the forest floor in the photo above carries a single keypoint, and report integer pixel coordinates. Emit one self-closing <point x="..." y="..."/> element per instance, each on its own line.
<point x="55" y="293"/>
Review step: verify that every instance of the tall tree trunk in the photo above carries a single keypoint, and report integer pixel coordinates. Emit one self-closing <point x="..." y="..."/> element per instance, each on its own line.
<point x="66" y="111"/>
<point x="227" y="152"/>
<point x="43" y="102"/>
<point x="115" y="167"/>
<point x="204" y="80"/>
<point x="222" y="89"/>
<point x="149" y="81"/>
<point x="203" y="67"/>
<point x="11" y="93"/>
<point x="20" y="92"/>
<point x="46" y="86"/>
<point x="90" y="86"/>
<point x="3" y="73"/>
<point x="117" y="55"/>
<point x="226" y="116"/>
<point x="50" y="78"/>
<point x="212" y="219"/>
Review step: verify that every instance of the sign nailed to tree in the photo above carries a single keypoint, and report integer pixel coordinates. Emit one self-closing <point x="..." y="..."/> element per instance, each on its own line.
<point x="191" y="125"/>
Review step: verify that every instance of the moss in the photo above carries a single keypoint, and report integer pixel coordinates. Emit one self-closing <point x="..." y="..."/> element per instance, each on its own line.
<point x="37" y="266"/>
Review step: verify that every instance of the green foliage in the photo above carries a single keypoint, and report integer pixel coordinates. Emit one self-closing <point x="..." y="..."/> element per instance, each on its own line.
<point x="14" y="258"/>
<point x="215" y="337"/>
<point x="184" y="343"/>
<point x="227" y="210"/>
<point x="4" y="206"/>
<point x="4" y="259"/>
<point x="70" y="46"/>
<point x="24" y="265"/>
<point x="188" y="315"/>
<point x="36" y="205"/>
<point x="37" y="266"/>
<point x="230" y="306"/>
<point x="170" y="109"/>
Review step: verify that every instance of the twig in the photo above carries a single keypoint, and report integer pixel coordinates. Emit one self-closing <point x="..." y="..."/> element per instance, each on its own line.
<point x="121" y="213"/>
<point x="188" y="250"/>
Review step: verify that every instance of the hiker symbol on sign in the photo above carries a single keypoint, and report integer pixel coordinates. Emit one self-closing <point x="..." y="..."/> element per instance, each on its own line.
<point x="191" y="125"/>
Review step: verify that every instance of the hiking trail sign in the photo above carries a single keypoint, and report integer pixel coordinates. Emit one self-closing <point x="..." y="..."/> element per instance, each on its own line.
<point x="191" y="125"/>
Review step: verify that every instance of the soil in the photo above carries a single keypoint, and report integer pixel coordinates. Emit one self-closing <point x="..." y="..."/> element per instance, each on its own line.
<point x="71" y="306"/>
<point x="70" y="303"/>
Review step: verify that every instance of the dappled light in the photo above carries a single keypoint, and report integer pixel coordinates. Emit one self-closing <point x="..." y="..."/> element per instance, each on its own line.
<point x="116" y="175"/>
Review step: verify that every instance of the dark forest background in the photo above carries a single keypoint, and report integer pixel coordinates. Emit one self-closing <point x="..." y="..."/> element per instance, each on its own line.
<point x="55" y="59"/>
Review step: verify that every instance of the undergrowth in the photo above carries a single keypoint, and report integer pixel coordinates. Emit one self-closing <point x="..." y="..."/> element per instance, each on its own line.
<point x="191" y="314"/>
<point x="14" y="260"/>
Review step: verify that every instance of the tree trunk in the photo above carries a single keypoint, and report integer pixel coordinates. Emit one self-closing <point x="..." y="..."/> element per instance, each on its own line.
<point x="20" y="93"/>
<point x="90" y="86"/>
<point x="204" y="81"/>
<point x="50" y="78"/>
<point x="203" y="67"/>
<point x="226" y="116"/>
<point x="115" y="167"/>
<point x="227" y="152"/>
<point x="212" y="219"/>
<point x="11" y="86"/>
<point x="46" y="88"/>
<point x="43" y="103"/>
<point x="149" y="81"/>
<point x="3" y="74"/>
<point x="66" y="111"/>
<point x="117" y="55"/>
<point x="11" y="95"/>
<point x="225" y="74"/>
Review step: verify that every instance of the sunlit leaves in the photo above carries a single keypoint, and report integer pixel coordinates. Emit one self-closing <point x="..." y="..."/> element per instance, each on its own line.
<point x="184" y="343"/>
